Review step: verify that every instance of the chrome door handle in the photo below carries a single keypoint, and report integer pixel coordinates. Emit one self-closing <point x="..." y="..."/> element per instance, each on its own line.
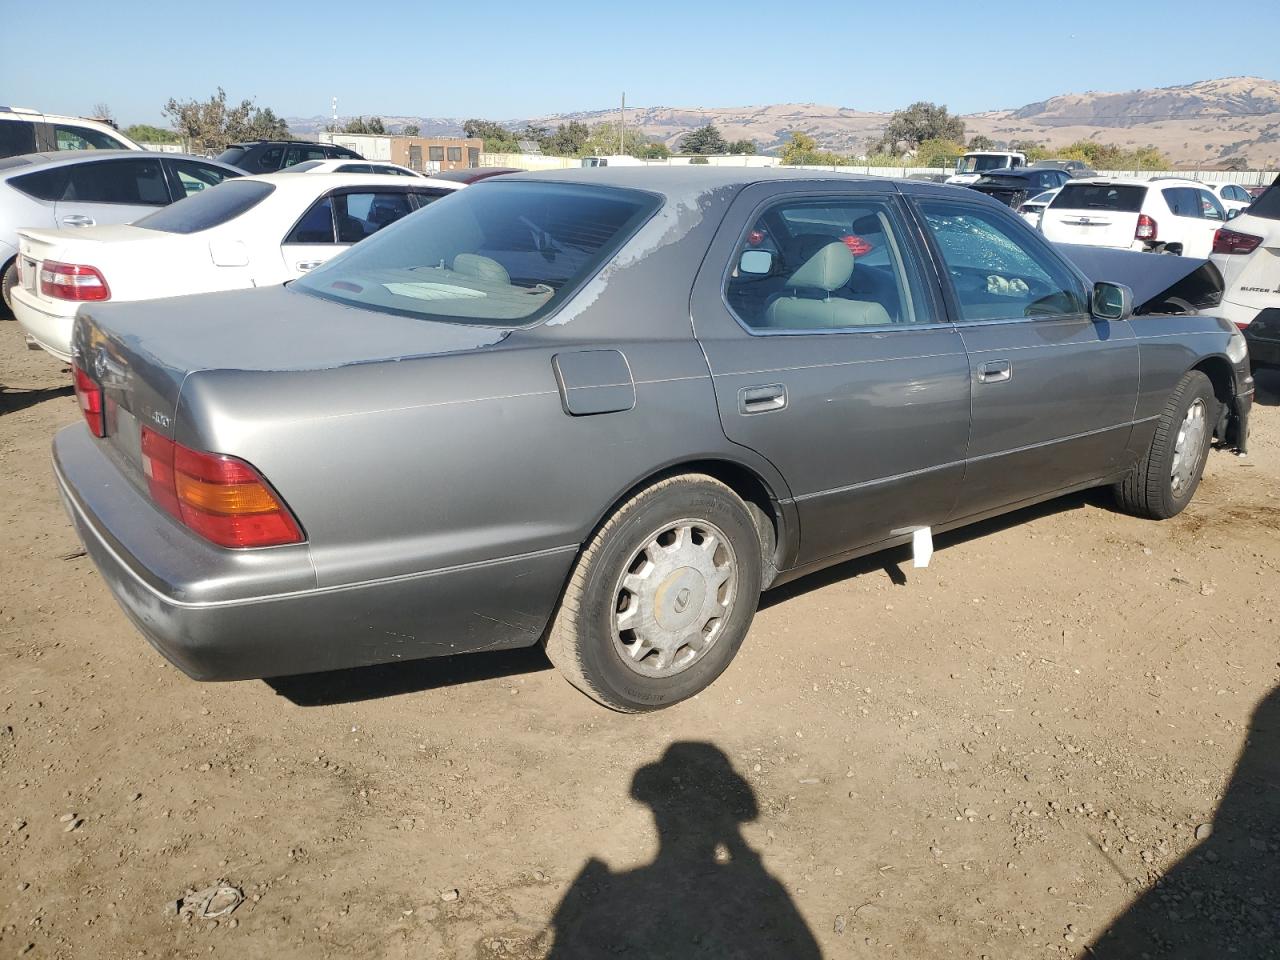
<point x="995" y="371"/>
<point x="762" y="399"/>
<point x="77" y="220"/>
<point x="306" y="265"/>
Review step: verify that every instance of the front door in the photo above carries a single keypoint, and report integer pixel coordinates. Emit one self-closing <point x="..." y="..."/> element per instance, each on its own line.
<point x="1053" y="389"/>
<point x="832" y="357"/>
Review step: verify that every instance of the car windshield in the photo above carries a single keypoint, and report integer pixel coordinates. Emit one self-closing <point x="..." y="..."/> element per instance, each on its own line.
<point x="1267" y="205"/>
<point x="1096" y="196"/>
<point x="208" y="208"/>
<point x="978" y="164"/>
<point x="503" y="253"/>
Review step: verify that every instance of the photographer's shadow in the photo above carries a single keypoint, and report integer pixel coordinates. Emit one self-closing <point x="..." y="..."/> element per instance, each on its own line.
<point x="707" y="893"/>
<point x="1222" y="900"/>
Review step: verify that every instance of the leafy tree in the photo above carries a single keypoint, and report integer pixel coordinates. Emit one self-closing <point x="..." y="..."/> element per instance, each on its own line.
<point x="102" y="111"/>
<point x="802" y="150"/>
<point x="938" y="153"/>
<point x="979" y="142"/>
<point x="209" y="125"/>
<point x="361" y="125"/>
<point x="411" y="130"/>
<point x="566" y="140"/>
<point x="1034" y="150"/>
<point x="654" y="151"/>
<point x="146" y="133"/>
<point x="496" y="137"/>
<point x="603" y="141"/>
<point x="919" y="122"/>
<point x="743" y="148"/>
<point x="704" y="140"/>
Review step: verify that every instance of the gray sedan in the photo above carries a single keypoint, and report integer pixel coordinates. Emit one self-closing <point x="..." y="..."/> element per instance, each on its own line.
<point x="603" y="410"/>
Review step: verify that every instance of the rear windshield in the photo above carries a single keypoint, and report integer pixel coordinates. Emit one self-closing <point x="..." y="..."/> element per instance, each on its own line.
<point x="232" y="155"/>
<point x="208" y="208"/>
<point x="1267" y="205"/>
<point x="304" y="166"/>
<point x="503" y="253"/>
<point x="1093" y="196"/>
<point x="1003" y="180"/>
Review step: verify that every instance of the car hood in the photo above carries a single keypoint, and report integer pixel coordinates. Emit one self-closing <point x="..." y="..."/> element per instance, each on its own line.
<point x="1160" y="284"/>
<point x="272" y="328"/>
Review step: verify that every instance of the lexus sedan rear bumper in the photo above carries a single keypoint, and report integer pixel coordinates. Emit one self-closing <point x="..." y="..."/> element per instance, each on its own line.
<point x="233" y="615"/>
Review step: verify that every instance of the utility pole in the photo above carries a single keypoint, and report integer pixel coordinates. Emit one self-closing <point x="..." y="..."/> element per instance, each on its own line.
<point x="622" y="125"/>
<point x="335" y="114"/>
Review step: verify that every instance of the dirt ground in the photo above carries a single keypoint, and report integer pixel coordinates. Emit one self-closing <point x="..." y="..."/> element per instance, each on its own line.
<point x="1065" y="715"/>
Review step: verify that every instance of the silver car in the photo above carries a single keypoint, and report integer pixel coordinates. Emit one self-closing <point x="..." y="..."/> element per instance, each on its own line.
<point x="604" y="409"/>
<point x="80" y="188"/>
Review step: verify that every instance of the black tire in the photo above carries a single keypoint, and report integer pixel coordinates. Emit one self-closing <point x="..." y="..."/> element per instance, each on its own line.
<point x="7" y="282"/>
<point x="581" y="641"/>
<point x="1149" y="490"/>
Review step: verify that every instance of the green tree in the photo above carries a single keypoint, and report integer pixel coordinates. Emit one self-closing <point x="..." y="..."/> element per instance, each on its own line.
<point x="802" y="150"/>
<point x="704" y="140"/>
<point x="979" y="142"/>
<point x="938" y="153"/>
<point x="654" y="151"/>
<point x="496" y="137"/>
<point x="919" y="122"/>
<point x="209" y="125"/>
<point x="411" y="130"/>
<point x="743" y="147"/>
<point x="146" y="133"/>
<point x="566" y="140"/>
<point x="1034" y="150"/>
<point x="361" y="125"/>
<point x="603" y="141"/>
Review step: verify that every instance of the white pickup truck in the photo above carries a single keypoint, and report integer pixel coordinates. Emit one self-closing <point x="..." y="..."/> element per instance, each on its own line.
<point x="977" y="162"/>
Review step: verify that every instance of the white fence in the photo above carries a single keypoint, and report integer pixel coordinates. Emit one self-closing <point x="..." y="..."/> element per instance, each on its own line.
<point x="531" y="161"/>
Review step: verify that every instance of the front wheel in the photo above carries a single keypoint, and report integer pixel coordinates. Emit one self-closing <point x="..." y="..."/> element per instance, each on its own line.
<point x="662" y="597"/>
<point x="1164" y="480"/>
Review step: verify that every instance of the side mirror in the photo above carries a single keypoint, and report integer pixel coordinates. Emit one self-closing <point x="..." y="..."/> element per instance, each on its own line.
<point x="756" y="263"/>
<point x="1112" y="301"/>
<point x="1233" y="213"/>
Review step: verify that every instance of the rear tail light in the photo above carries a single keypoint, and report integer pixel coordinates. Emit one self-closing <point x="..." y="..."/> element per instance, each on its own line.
<point x="1242" y="327"/>
<point x="1146" y="228"/>
<point x="89" y="396"/>
<point x="1232" y="241"/>
<point x="72" y="281"/>
<point x="221" y="498"/>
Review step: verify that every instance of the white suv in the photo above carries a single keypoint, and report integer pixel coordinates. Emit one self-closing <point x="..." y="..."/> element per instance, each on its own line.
<point x="1248" y="254"/>
<point x="30" y="131"/>
<point x="1162" y="215"/>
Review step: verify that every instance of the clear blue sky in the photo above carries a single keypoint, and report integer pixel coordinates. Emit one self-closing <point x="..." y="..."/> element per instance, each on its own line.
<point x="503" y="60"/>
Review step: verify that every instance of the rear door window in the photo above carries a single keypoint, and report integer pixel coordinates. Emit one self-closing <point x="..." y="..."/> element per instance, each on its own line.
<point x="300" y="154"/>
<point x="208" y="208"/>
<point x="268" y="160"/>
<point x="362" y="215"/>
<point x="118" y="181"/>
<point x="43" y="184"/>
<point x="316" y="225"/>
<point x="191" y="176"/>
<point x="17" y="137"/>
<point x="1093" y="196"/>
<point x="70" y="137"/>
<point x="1183" y="201"/>
<point x="996" y="271"/>
<point x="1210" y="207"/>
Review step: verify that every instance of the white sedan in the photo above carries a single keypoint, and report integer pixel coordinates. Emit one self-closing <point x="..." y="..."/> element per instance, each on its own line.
<point x="1231" y="195"/>
<point x="248" y="232"/>
<point x="345" y="165"/>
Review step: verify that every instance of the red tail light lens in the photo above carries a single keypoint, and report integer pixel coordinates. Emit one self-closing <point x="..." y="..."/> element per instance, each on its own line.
<point x="72" y="281"/>
<point x="89" y="396"/>
<point x="1231" y="241"/>
<point x="1146" y="228"/>
<point x="221" y="498"/>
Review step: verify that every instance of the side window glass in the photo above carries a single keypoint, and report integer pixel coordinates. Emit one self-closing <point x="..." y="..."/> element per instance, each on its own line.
<point x="17" y="137"/>
<point x="996" y="273"/>
<point x="836" y="263"/>
<point x="300" y="154"/>
<point x="1210" y="207"/>
<point x="1182" y="201"/>
<point x="119" y="181"/>
<point x="70" y="137"/>
<point x="44" y="184"/>
<point x="361" y="215"/>
<point x="424" y="197"/>
<point x="316" y="225"/>
<point x="269" y="159"/>
<point x="194" y="177"/>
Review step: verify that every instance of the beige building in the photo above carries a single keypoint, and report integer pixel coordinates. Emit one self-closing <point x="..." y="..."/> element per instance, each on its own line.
<point x="425" y="154"/>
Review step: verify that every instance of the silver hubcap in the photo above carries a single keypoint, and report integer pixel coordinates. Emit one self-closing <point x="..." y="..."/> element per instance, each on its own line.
<point x="674" y="595"/>
<point x="1188" y="447"/>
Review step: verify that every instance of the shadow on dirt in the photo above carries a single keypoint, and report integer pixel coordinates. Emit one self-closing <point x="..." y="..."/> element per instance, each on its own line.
<point x="412" y="676"/>
<point x="897" y="561"/>
<point x="1220" y="899"/>
<point x="13" y="399"/>
<point x="1267" y="388"/>
<point x="706" y="894"/>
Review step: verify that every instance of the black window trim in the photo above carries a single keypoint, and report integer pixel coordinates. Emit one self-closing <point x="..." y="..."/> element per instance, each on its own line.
<point x="954" y="309"/>
<point x="164" y="175"/>
<point x="344" y="191"/>
<point x="910" y="249"/>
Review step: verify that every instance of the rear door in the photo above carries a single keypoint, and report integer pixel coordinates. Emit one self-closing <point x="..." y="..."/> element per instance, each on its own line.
<point x="1101" y="214"/>
<point x="832" y="356"/>
<point x="111" y="191"/>
<point x="1053" y="389"/>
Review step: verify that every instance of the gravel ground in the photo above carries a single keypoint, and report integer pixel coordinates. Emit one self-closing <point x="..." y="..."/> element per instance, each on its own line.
<point x="1067" y="725"/>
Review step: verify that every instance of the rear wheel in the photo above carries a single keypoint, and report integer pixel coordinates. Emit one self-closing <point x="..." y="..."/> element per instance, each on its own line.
<point x="1164" y="480"/>
<point x="662" y="597"/>
<point x="8" y="280"/>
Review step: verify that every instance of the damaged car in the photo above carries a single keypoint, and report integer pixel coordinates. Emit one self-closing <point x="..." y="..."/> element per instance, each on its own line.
<point x="603" y="410"/>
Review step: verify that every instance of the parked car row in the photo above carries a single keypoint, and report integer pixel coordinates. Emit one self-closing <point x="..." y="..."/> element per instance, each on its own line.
<point x="602" y="409"/>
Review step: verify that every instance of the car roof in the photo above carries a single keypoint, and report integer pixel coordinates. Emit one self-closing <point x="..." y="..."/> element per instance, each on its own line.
<point x="677" y="180"/>
<point x="472" y="174"/>
<point x="319" y="182"/>
<point x="246" y="144"/>
<point x="24" y="163"/>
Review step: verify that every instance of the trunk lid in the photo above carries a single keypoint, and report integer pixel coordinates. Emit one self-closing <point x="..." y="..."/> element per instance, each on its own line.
<point x="1098" y="214"/>
<point x="141" y="353"/>
<point x="99" y="247"/>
